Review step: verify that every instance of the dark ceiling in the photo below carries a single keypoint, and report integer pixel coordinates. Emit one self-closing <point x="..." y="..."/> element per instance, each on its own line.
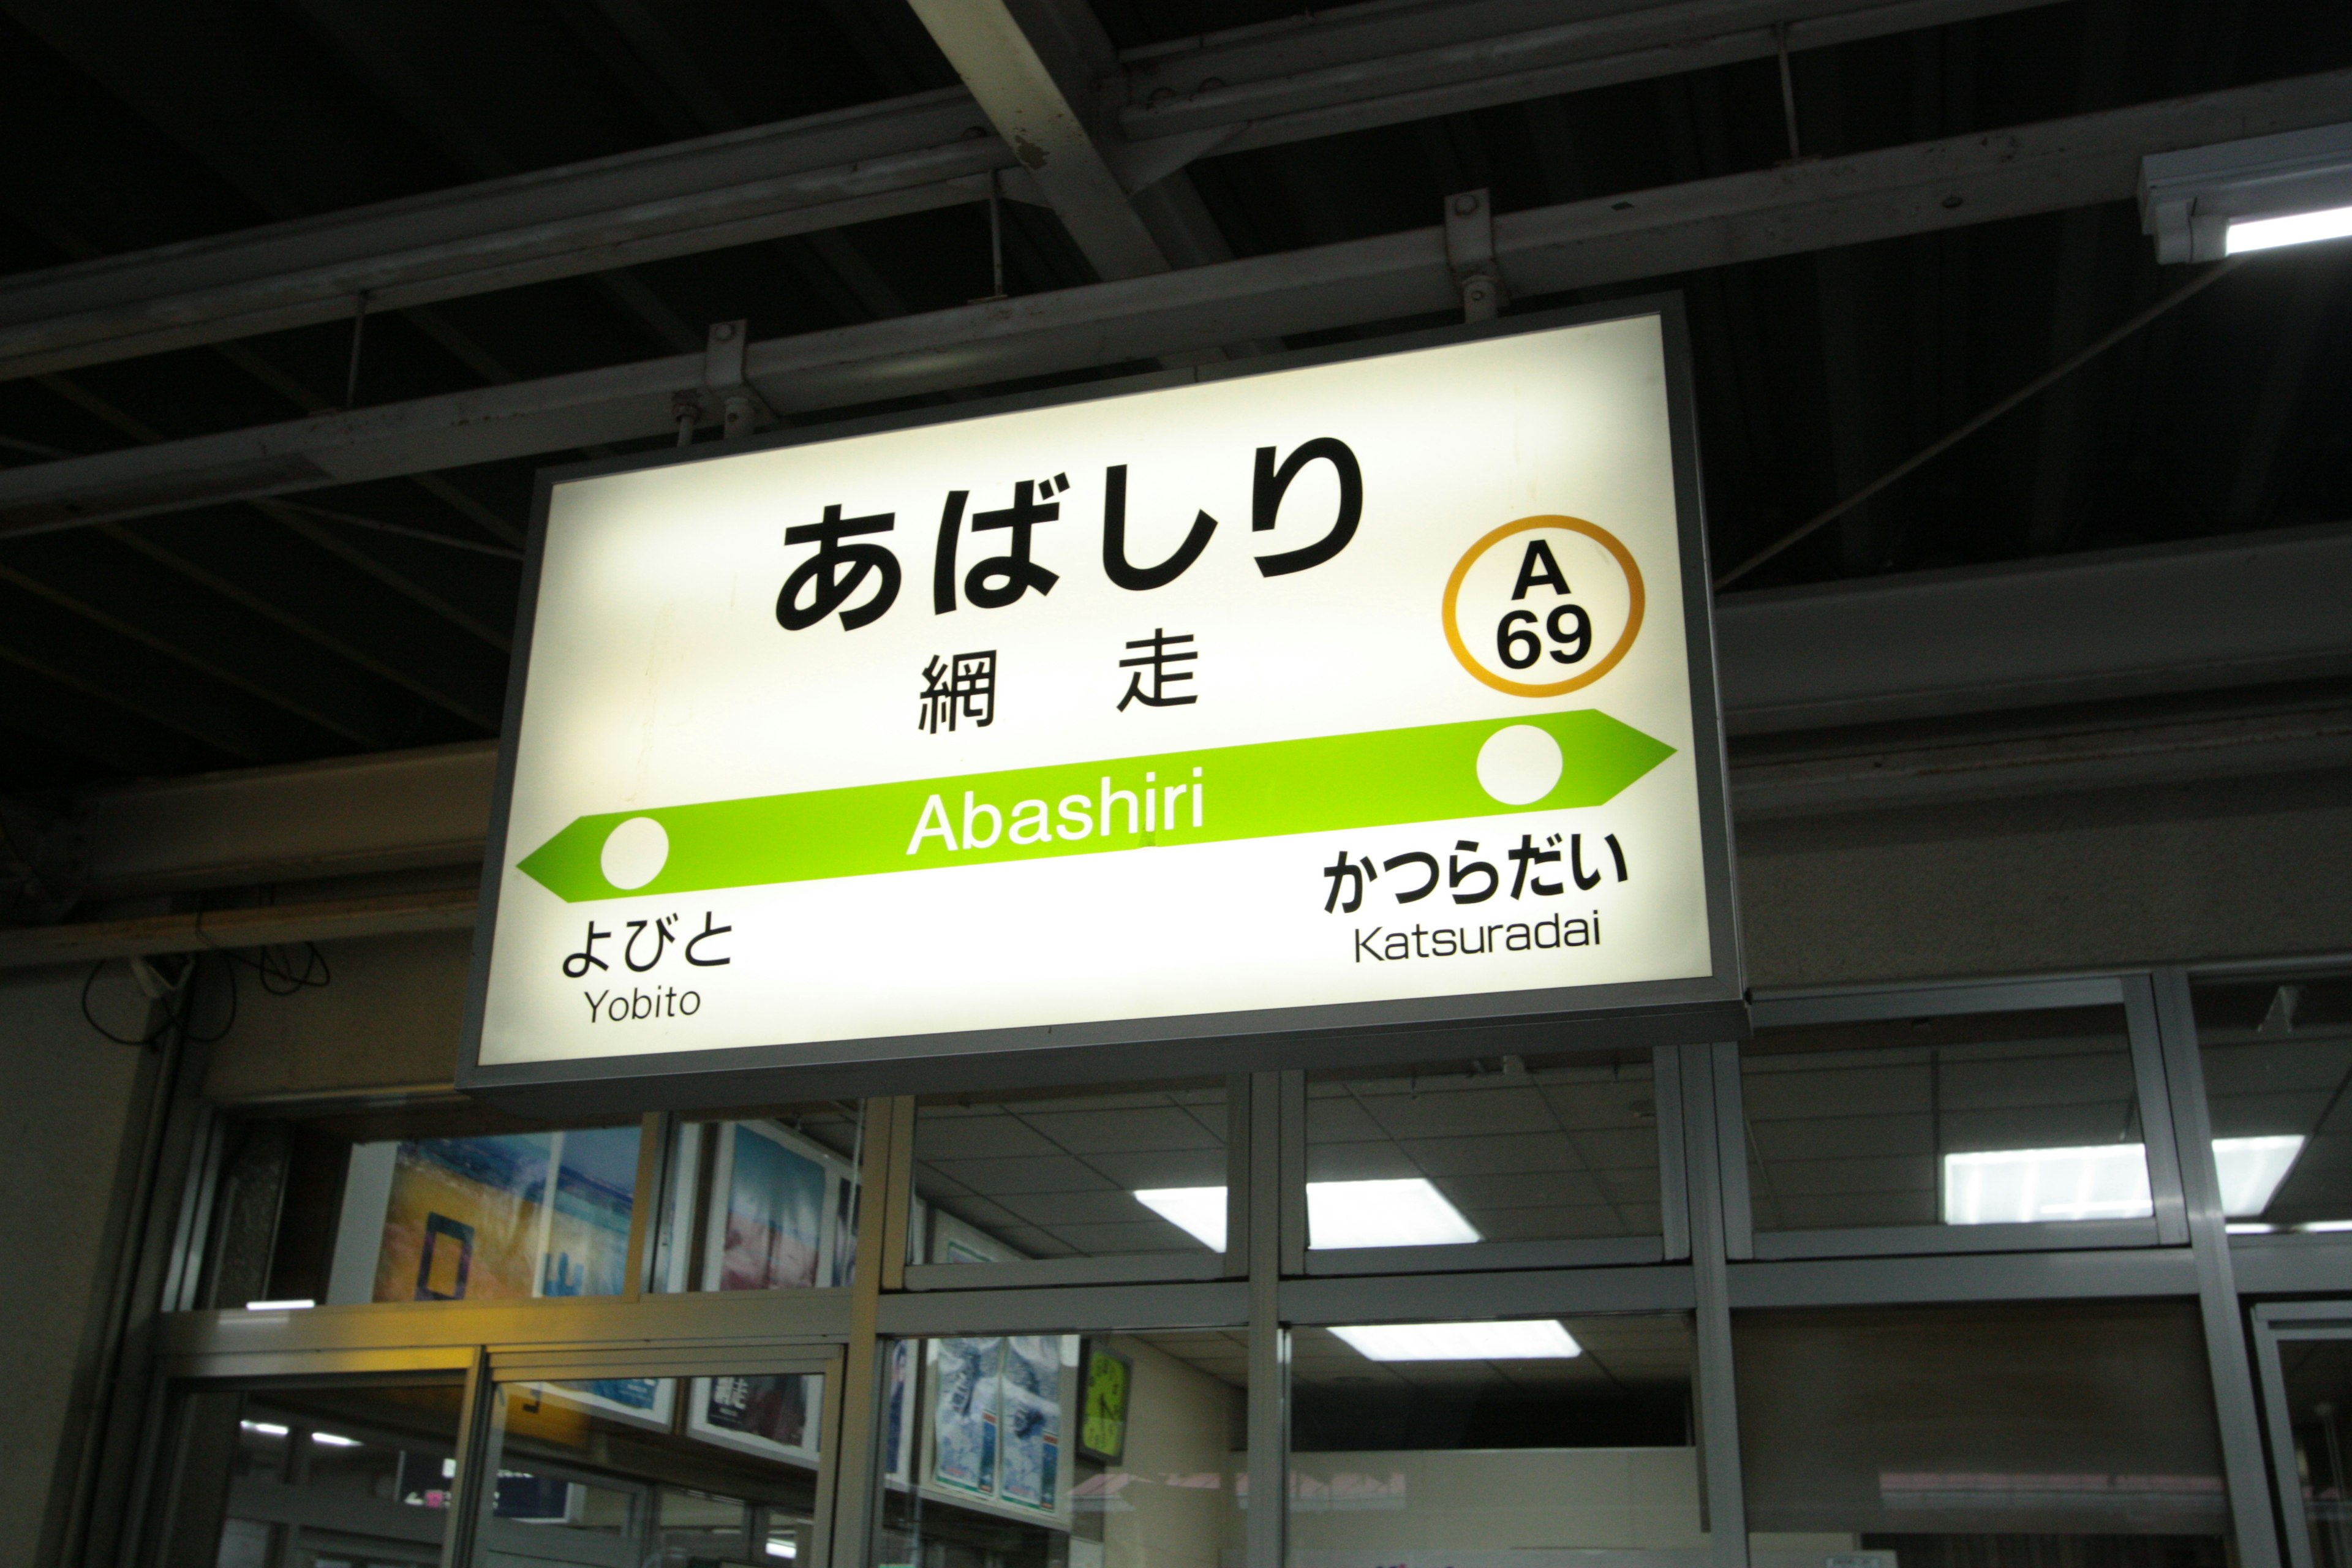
<point x="258" y="633"/>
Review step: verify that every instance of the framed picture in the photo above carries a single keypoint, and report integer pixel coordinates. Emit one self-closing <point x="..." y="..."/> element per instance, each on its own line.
<point x="1029" y="1406"/>
<point x="775" y="1417"/>
<point x="502" y="1218"/>
<point x="841" y="1239"/>
<point x="953" y="1241"/>
<point x="557" y="1410"/>
<point x="767" y="1211"/>
<point x="964" y="1377"/>
<point x="992" y="1420"/>
<point x="897" y="1413"/>
<point x="1105" y="1389"/>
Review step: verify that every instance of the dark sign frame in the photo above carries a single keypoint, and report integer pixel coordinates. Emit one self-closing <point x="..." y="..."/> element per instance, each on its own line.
<point x="1698" y="1011"/>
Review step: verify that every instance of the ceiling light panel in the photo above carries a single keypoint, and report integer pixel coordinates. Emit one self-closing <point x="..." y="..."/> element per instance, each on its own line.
<point x="1200" y="1212"/>
<point x="2014" y="1186"/>
<point x="2204" y="203"/>
<point x="1539" y="1339"/>
<point x="1409" y="1212"/>
<point x="2252" y="1169"/>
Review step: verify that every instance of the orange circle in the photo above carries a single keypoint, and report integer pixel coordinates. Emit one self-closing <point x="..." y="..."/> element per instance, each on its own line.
<point x="1592" y="530"/>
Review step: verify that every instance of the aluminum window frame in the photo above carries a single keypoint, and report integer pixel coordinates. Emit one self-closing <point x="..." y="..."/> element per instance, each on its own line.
<point x="2271" y="1258"/>
<point x="1672" y="1244"/>
<point x="2167" y="1227"/>
<point x="1267" y="1280"/>
<point x="1117" y="1268"/>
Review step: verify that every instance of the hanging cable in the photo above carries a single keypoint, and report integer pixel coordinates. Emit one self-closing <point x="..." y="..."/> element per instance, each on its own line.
<point x="175" y="983"/>
<point x="359" y="331"/>
<point x="995" y="238"/>
<point x="1788" y="90"/>
<point x="2047" y="379"/>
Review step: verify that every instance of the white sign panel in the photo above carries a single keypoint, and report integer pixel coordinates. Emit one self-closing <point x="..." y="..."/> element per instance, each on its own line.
<point x="1359" y="692"/>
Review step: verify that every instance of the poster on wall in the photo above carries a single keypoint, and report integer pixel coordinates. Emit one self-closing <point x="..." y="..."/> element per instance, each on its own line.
<point x="841" y="1247"/>
<point x="898" y="1403"/>
<point x="585" y="1250"/>
<point x="462" y="1221"/>
<point x="965" y="1378"/>
<point x="994" y="1422"/>
<point x="1031" y="1422"/>
<point x="769" y="1233"/>
<point x="773" y="1416"/>
<point x="1386" y="675"/>
<point x="467" y="1219"/>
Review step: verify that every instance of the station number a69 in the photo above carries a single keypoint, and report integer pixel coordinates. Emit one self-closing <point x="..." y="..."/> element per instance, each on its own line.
<point x="1543" y="606"/>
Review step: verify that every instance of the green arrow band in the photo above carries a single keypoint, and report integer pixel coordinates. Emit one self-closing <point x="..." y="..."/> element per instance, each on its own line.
<point x="1328" y="783"/>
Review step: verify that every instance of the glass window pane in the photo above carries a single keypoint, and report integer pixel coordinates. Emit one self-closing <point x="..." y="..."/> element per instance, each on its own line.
<point x="764" y="1203"/>
<point x="2318" y="1377"/>
<point x="1444" y="1442"/>
<point x="1087" y="1174"/>
<point x="440" y="1204"/>
<point x="303" y="1475"/>
<point x="1979" y="1119"/>
<point x="634" y="1470"/>
<point x="1952" y="1436"/>
<point x="2278" y="1060"/>
<point x="487" y="1218"/>
<point x="1496" y="1149"/>
<point x="1066" y="1451"/>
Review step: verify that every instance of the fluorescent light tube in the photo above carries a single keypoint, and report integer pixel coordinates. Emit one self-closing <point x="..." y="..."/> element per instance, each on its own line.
<point x="267" y="1428"/>
<point x="2252" y="1169"/>
<point x="1200" y="1212"/>
<point x="334" y="1440"/>
<point x="2294" y="228"/>
<point x="278" y="1306"/>
<point x="2317" y="1226"/>
<point x="1406" y="1213"/>
<point x="1540" y="1340"/>
<point x="2011" y="1187"/>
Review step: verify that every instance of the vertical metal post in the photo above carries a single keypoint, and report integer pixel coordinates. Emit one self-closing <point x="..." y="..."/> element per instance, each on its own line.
<point x="1673" y="1171"/>
<point x="1297" y="1234"/>
<point x="647" y="1207"/>
<point x="475" y="1487"/>
<point x="1269" y="1344"/>
<point x="2156" y="1123"/>
<point x="1238" y="1122"/>
<point x="846" y="1518"/>
<point x="833" y="1425"/>
<point x="1739" y="1210"/>
<point x="1718" y="1406"/>
<point x="2216" y="1285"/>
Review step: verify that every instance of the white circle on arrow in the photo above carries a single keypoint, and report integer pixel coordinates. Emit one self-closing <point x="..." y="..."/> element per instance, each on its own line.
<point x="635" y="850"/>
<point x="1517" y="765"/>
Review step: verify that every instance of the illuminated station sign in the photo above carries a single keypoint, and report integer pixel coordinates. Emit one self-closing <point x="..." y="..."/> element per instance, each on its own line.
<point x="1359" y="706"/>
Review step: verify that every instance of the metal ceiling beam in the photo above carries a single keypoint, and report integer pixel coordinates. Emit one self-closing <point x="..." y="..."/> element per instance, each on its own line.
<point x="2052" y="635"/>
<point x="1041" y="110"/>
<point x="1350" y="68"/>
<point x="706" y="195"/>
<point x="1802" y="207"/>
<point x="1346" y="69"/>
